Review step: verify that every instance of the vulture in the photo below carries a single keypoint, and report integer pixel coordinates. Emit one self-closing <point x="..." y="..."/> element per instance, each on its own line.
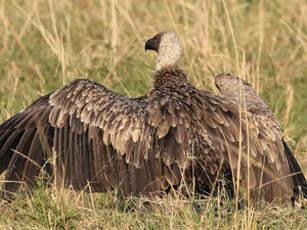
<point x="242" y="94"/>
<point x="177" y="138"/>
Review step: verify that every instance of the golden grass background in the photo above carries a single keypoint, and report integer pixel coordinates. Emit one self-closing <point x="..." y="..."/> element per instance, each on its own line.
<point x="47" y="43"/>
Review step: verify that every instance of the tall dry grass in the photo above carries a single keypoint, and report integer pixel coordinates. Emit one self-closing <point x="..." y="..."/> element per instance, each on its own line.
<point x="46" y="43"/>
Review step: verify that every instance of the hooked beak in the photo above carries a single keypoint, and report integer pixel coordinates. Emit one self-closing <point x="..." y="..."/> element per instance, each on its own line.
<point x="152" y="44"/>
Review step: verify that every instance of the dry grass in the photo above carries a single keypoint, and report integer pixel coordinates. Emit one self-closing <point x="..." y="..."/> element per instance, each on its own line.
<point x="46" y="43"/>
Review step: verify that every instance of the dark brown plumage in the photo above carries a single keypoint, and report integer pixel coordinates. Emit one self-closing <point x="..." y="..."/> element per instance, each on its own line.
<point x="242" y="94"/>
<point x="175" y="137"/>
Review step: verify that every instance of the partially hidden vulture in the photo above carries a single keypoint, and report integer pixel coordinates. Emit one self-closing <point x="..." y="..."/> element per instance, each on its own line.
<point x="242" y="94"/>
<point x="175" y="138"/>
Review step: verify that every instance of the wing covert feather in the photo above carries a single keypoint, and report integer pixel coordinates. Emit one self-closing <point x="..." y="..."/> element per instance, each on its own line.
<point x="89" y="104"/>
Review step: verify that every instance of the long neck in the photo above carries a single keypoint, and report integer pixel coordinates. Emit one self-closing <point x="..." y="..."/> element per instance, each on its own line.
<point x="168" y="56"/>
<point x="165" y="60"/>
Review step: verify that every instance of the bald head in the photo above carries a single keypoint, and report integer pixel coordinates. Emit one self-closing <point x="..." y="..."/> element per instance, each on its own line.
<point x="228" y="83"/>
<point x="239" y="92"/>
<point x="168" y="46"/>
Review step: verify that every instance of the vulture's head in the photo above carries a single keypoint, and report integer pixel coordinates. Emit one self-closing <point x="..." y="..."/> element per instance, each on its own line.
<point x="226" y="81"/>
<point x="235" y="88"/>
<point x="168" y="46"/>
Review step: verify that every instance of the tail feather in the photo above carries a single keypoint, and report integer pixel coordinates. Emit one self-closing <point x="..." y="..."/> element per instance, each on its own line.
<point x="299" y="178"/>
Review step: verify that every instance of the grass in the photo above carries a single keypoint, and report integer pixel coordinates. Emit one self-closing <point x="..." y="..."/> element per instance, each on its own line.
<point x="45" y="44"/>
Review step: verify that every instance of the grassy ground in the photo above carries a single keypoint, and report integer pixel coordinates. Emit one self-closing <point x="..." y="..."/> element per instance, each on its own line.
<point x="45" y="44"/>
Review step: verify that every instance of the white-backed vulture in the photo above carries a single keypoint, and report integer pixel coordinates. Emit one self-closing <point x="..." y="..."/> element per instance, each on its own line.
<point x="242" y="94"/>
<point x="175" y="137"/>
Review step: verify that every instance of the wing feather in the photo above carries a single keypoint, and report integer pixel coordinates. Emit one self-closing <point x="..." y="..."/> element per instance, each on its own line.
<point x="34" y="161"/>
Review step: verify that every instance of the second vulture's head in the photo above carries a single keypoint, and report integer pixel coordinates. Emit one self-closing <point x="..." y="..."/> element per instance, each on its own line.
<point x="225" y="80"/>
<point x="168" y="46"/>
<point x="229" y="84"/>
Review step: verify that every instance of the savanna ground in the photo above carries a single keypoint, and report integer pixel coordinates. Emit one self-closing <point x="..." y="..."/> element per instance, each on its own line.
<point x="45" y="44"/>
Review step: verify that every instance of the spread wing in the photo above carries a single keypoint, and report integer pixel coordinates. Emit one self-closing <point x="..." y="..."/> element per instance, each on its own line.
<point x="280" y="159"/>
<point x="262" y="153"/>
<point x="95" y="137"/>
<point x="106" y="140"/>
<point x="270" y="135"/>
<point x="101" y="138"/>
<point x="99" y="141"/>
